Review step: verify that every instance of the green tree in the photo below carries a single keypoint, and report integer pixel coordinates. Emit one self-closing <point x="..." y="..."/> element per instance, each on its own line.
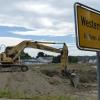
<point x="40" y="54"/>
<point x="73" y="59"/>
<point x="24" y="55"/>
<point x="56" y="59"/>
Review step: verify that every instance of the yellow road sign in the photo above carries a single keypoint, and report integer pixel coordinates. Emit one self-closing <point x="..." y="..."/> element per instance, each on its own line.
<point x="87" y="22"/>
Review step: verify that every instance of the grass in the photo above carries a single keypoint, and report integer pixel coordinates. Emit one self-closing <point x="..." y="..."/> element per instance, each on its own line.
<point x="6" y="93"/>
<point x="54" y="98"/>
<point x="19" y="95"/>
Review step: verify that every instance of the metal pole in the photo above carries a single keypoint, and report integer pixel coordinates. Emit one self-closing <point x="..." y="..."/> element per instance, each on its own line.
<point x="98" y="73"/>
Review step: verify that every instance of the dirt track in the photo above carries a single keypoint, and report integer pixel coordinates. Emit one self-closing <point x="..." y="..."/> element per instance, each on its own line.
<point x="47" y="80"/>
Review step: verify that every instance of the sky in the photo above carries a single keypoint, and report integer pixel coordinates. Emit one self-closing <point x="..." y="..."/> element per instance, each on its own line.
<point x="40" y="20"/>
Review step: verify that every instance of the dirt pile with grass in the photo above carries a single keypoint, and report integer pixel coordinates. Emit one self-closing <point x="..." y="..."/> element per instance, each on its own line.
<point x="46" y="80"/>
<point x="33" y="82"/>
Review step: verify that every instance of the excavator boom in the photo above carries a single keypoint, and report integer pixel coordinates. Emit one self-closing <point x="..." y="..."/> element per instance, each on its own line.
<point x="16" y="50"/>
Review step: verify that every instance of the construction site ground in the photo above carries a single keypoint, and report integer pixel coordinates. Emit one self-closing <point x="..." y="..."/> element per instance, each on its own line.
<point x="45" y="82"/>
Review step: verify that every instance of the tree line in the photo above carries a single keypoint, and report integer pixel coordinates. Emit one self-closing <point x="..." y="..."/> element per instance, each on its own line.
<point x="56" y="59"/>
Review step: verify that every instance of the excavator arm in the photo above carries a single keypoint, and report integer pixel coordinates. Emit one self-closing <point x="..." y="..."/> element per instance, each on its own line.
<point x="16" y="50"/>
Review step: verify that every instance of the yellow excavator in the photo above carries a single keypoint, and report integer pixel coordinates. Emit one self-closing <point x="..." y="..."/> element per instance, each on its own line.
<point x="10" y="58"/>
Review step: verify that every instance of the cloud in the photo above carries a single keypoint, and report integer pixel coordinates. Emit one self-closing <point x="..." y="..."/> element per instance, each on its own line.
<point x="40" y="8"/>
<point x="44" y="32"/>
<point x="76" y="52"/>
<point x="28" y="12"/>
<point x="41" y="14"/>
<point x="62" y="29"/>
<point x="10" y="41"/>
<point x="31" y="14"/>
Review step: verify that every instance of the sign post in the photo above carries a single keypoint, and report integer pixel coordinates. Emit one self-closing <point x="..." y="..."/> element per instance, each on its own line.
<point x="98" y="74"/>
<point x="87" y="25"/>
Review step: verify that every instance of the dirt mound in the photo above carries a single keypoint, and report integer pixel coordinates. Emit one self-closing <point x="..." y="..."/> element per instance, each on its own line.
<point x="32" y="82"/>
<point x="88" y="76"/>
<point x="50" y="73"/>
<point x="44" y="80"/>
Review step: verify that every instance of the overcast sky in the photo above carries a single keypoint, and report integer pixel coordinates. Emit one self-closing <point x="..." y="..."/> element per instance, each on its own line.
<point x="43" y="20"/>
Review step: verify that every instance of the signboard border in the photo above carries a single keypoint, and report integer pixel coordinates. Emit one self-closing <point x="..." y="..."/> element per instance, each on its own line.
<point x="77" y="25"/>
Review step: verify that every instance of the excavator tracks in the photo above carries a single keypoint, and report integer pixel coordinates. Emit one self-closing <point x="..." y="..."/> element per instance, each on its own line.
<point x="13" y="68"/>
